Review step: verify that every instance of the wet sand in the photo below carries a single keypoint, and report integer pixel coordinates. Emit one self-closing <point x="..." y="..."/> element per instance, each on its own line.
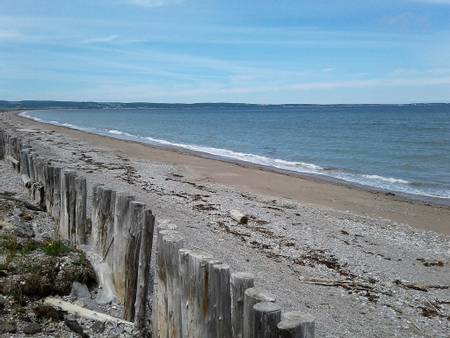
<point x="374" y="204"/>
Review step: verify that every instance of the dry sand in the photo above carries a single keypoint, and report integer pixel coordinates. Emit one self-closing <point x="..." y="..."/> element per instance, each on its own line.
<point x="362" y="263"/>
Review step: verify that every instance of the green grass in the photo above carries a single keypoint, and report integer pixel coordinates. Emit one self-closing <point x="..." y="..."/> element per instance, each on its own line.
<point x="56" y="248"/>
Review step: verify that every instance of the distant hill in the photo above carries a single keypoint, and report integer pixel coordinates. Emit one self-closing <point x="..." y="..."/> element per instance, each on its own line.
<point x="31" y="104"/>
<point x="35" y="104"/>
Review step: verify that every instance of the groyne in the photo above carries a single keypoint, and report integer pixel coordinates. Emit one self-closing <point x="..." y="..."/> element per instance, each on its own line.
<point x="195" y="295"/>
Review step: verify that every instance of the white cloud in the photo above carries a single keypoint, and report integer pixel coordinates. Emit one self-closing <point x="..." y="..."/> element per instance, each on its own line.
<point x="154" y="3"/>
<point x="102" y="39"/>
<point x="9" y="35"/>
<point x="438" y="2"/>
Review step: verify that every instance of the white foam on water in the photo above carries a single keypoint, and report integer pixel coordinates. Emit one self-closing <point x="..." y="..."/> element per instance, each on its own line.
<point x="252" y="158"/>
<point x="370" y="180"/>
<point x="385" y="179"/>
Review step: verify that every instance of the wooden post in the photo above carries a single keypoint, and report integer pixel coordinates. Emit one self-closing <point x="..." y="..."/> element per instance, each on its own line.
<point x="267" y="316"/>
<point x="219" y="301"/>
<point x="30" y="157"/>
<point x="296" y="324"/>
<point x="143" y="282"/>
<point x="67" y="214"/>
<point x="48" y="187"/>
<point x="160" y="315"/>
<point x="253" y="296"/>
<point x="240" y="281"/>
<point x="194" y="282"/>
<point x="211" y="315"/>
<point x="172" y="243"/>
<point x="102" y="218"/>
<point x="80" y="210"/>
<point x="122" y="218"/>
<point x="23" y="161"/>
<point x="2" y="145"/>
<point x="133" y="244"/>
<point x="56" y="205"/>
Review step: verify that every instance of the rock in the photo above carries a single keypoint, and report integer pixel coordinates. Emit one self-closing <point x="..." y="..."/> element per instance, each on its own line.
<point x="98" y="327"/>
<point x="8" y="327"/>
<point x="79" y="290"/>
<point x="48" y="312"/>
<point x="32" y="328"/>
<point x="75" y="327"/>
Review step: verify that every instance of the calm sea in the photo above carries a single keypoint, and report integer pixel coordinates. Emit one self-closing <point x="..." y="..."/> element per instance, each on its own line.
<point x="401" y="148"/>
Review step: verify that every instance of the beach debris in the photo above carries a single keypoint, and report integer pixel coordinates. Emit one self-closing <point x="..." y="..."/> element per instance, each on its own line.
<point x="418" y="286"/>
<point x="430" y="263"/>
<point x="238" y="216"/>
<point x="235" y="232"/>
<point x="204" y="207"/>
<point x="82" y="312"/>
<point x="7" y="196"/>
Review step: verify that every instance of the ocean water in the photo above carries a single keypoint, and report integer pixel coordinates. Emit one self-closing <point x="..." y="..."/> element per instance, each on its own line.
<point x="399" y="148"/>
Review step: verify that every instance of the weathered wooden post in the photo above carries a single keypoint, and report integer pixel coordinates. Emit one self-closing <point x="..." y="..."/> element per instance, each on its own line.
<point x="267" y="316"/>
<point x="48" y="187"/>
<point x="143" y="282"/>
<point x="2" y="145"/>
<point x="161" y="310"/>
<point x="240" y="281"/>
<point x="122" y="218"/>
<point x="80" y="210"/>
<point x="194" y="282"/>
<point x="172" y="243"/>
<point x="132" y="257"/>
<point x="103" y="204"/>
<point x="219" y="300"/>
<point x="67" y="214"/>
<point x="56" y="205"/>
<point x="253" y="296"/>
<point x="296" y="324"/>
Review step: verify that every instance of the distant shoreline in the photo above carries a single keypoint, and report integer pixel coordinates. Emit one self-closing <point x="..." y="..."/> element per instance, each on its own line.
<point x="420" y="214"/>
<point x="311" y="176"/>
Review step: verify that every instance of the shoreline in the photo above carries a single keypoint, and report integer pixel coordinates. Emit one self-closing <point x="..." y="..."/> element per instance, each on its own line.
<point x="407" y="197"/>
<point x="419" y="211"/>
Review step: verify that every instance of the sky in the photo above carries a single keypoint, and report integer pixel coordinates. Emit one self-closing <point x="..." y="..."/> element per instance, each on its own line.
<point x="253" y="51"/>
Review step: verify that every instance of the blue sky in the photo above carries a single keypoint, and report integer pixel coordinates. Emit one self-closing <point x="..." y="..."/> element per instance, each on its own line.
<point x="256" y="51"/>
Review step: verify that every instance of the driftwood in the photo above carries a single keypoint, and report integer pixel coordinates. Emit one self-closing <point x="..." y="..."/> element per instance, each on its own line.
<point x="238" y="216"/>
<point x="21" y="201"/>
<point x="83" y="312"/>
<point x="418" y="286"/>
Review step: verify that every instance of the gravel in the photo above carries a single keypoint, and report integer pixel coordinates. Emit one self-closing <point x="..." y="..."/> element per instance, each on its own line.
<point x="357" y="276"/>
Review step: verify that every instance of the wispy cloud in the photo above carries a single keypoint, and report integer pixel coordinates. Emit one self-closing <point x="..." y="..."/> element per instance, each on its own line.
<point x="438" y="2"/>
<point x="154" y="3"/>
<point x="10" y="35"/>
<point x="101" y="39"/>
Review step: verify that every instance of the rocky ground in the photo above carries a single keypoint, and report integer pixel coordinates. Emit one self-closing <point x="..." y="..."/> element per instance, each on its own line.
<point x="358" y="276"/>
<point x="34" y="265"/>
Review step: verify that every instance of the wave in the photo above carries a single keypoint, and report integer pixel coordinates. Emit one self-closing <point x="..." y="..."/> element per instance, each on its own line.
<point x="370" y="180"/>
<point x="386" y="179"/>
<point x="119" y="132"/>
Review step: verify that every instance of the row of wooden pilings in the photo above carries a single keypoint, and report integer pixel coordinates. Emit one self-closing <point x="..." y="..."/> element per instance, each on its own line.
<point x="119" y="229"/>
<point x="195" y="296"/>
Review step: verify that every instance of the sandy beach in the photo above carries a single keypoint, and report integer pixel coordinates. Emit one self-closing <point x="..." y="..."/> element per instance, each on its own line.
<point x="247" y="177"/>
<point x="363" y="263"/>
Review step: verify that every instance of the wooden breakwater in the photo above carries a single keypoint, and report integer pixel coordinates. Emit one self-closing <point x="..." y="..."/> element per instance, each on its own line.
<point x="195" y="296"/>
